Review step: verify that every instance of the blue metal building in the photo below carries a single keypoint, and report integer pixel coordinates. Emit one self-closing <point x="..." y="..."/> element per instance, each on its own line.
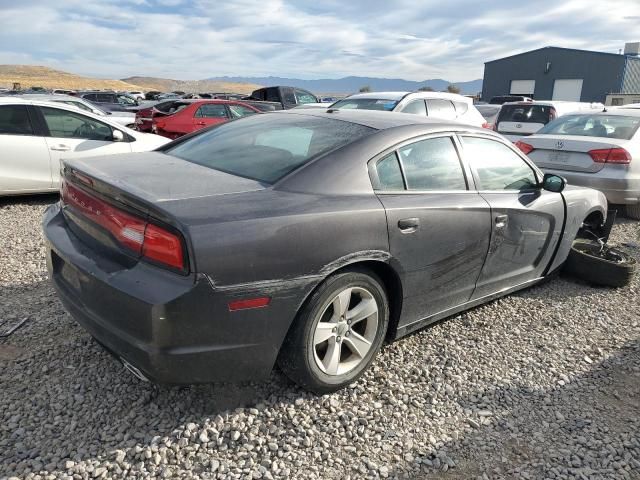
<point x="554" y="73"/>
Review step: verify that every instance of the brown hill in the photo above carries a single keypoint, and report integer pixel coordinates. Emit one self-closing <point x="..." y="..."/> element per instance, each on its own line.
<point x="169" y="85"/>
<point x="38" y="76"/>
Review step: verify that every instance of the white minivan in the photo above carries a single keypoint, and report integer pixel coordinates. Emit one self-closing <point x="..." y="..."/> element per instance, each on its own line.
<point x="520" y="119"/>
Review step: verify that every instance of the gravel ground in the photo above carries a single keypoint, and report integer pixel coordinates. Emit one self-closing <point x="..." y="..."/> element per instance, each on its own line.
<point x="541" y="384"/>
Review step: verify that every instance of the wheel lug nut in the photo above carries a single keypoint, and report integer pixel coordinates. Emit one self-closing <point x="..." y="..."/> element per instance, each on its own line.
<point x="347" y="334"/>
<point x="338" y="339"/>
<point x="348" y="322"/>
<point x="334" y="330"/>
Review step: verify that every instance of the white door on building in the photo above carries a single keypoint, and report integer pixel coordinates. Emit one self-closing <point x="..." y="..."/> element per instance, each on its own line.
<point x="567" y="89"/>
<point x="523" y="87"/>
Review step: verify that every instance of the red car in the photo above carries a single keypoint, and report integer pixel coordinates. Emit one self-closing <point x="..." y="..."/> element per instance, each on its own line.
<point x="189" y="116"/>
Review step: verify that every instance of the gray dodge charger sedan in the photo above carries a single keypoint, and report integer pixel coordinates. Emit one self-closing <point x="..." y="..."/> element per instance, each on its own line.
<point x="305" y="238"/>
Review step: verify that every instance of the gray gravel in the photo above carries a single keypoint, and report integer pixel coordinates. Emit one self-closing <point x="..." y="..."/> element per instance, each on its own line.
<point x="542" y="384"/>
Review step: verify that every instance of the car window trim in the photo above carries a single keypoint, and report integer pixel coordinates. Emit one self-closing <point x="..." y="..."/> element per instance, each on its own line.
<point x="536" y="172"/>
<point x="373" y="173"/>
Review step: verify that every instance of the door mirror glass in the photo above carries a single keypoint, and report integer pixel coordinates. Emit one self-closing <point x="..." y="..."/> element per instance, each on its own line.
<point x="553" y="183"/>
<point x="118" y="136"/>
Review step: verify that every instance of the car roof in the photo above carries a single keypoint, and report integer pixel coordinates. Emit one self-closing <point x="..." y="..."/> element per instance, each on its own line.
<point x="14" y="100"/>
<point x="379" y="120"/>
<point x="402" y="95"/>
<point x="629" y="112"/>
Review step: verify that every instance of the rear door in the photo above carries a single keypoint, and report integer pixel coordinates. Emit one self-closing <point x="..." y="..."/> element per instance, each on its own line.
<point x="74" y="135"/>
<point x="24" y="156"/>
<point x="526" y="221"/>
<point x="439" y="228"/>
<point x="209" y="114"/>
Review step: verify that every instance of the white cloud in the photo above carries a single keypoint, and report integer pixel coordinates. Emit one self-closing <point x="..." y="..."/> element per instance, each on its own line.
<point x="204" y="38"/>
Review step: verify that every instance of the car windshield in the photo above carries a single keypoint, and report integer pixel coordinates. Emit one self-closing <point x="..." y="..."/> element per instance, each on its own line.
<point x="609" y="126"/>
<point x="366" y="104"/>
<point x="267" y="147"/>
<point x="525" y="113"/>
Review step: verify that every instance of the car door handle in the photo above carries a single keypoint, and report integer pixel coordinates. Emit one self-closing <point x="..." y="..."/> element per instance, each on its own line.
<point x="409" y="225"/>
<point x="502" y="221"/>
<point x="61" y="148"/>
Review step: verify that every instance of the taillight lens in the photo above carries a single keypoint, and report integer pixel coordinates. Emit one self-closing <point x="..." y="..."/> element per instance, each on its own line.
<point x="135" y="234"/>
<point x="487" y="125"/>
<point x="162" y="246"/>
<point x="610" y="155"/>
<point x="525" y="147"/>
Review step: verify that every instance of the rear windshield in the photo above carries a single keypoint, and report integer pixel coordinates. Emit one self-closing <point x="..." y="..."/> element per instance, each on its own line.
<point x="366" y="104"/>
<point x="267" y="147"/>
<point x="525" y="114"/>
<point x="607" y="126"/>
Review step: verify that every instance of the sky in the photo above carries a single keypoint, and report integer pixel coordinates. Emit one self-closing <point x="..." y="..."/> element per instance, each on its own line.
<point x="413" y="39"/>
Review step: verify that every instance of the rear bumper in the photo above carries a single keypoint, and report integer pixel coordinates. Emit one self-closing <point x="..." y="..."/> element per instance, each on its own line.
<point x="616" y="183"/>
<point x="173" y="329"/>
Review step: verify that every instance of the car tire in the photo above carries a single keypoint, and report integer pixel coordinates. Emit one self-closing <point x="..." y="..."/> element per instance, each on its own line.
<point x="633" y="211"/>
<point x="612" y="267"/>
<point x="309" y="359"/>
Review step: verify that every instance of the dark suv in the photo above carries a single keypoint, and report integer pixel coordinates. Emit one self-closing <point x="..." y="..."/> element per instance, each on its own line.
<point x="115" y="102"/>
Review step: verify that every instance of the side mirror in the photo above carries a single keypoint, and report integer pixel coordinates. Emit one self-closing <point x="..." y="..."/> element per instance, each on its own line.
<point x="553" y="183"/>
<point x="118" y="136"/>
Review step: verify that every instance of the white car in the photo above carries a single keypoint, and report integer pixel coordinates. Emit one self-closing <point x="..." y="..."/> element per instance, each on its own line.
<point x="600" y="150"/>
<point x="128" y="119"/>
<point x="520" y="119"/>
<point x="138" y="95"/>
<point x="447" y="106"/>
<point x="35" y="135"/>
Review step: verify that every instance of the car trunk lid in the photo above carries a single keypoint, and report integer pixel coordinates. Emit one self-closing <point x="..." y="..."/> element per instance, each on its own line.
<point x="570" y="153"/>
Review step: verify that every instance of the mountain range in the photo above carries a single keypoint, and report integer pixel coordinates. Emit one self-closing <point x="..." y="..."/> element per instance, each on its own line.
<point x="353" y="84"/>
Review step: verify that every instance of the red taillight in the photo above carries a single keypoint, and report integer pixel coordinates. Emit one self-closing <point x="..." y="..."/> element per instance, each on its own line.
<point x="248" y="303"/>
<point x="486" y="125"/>
<point x="525" y="147"/>
<point x="162" y="246"/>
<point x="134" y="233"/>
<point x="552" y="114"/>
<point x="610" y="155"/>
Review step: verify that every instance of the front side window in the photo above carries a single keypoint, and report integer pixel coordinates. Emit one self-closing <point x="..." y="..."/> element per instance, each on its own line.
<point x="267" y="147"/>
<point x="432" y="164"/>
<point x="305" y="97"/>
<point x="79" y="105"/>
<point x="417" y="107"/>
<point x="14" y="120"/>
<point x="497" y="166"/>
<point x="106" y="98"/>
<point x="211" y="110"/>
<point x="65" y="124"/>
<point x="124" y="100"/>
<point x="440" y="108"/>
<point x="238" y="111"/>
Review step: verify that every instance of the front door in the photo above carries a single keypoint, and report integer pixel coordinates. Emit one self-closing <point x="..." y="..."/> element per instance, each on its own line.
<point x="24" y="157"/>
<point x="439" y="229"/>
<point x="526" y="220"/>
<point x="73" y="135"/>
<point x="209" y="114"/>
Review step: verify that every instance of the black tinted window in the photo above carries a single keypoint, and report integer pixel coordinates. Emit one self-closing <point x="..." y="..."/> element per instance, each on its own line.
<point x="525" y="114"/>
<point x="432" y="164"/>
<point x="497" y="166"/>
<point x="417" y="107"/>
<point x="267" y="147"/>
<point x="389" y="173"/>
<point x="440" y="108"/>
<point x="211" y="111"/>
<point x="106" y="98"/>
<point x="272" y="95"/>
<point x="14" y="120"/>
<point x="91" y="96"/>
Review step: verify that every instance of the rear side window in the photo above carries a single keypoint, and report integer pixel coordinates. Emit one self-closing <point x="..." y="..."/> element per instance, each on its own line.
<point x="389" y="173"/>
<point x="461" y="108"/>
<point x="526" y="114"/>
<point x="65" y="124"/>
<point x="14" y="120"/>
<point x="91" y="97"/>
<point x="417" y="107"/>
<point x="305" y="97"/>
<point x="440" y="108"/>
<point x="106" y="98"/>
<point x="267" y="147"/>
<point x="497" y="166"/>
<point x="211" y="111"/>
<point x="432" y="164"/>
<point x="272" y="95"/>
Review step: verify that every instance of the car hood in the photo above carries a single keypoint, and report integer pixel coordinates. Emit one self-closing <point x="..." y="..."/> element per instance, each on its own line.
<point x="155" y="177"/>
